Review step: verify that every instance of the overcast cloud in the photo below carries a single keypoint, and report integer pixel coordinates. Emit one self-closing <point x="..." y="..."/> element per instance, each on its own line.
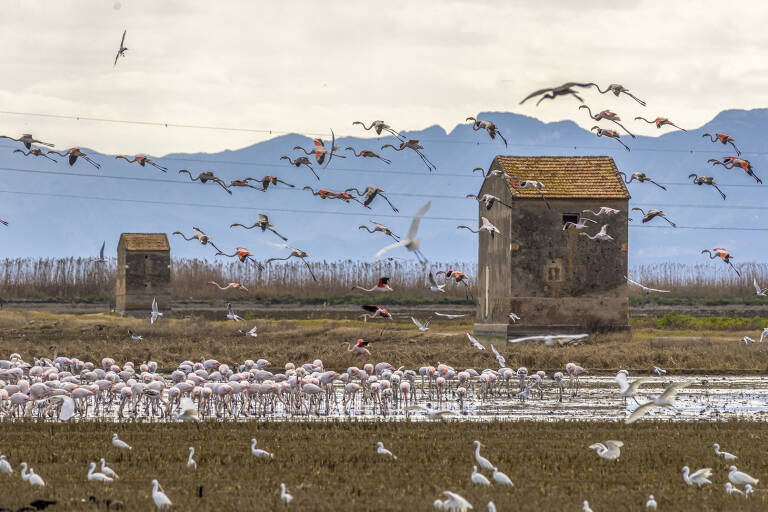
<point x="305" y="66"/>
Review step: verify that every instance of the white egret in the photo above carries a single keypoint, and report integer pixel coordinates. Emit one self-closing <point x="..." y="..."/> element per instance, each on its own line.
<point x="763" y="334"/>
<point x="628" y="389"/>
<point x="699" y="477"/>
<point x="610" y="450"/>
<point x="724" y="455"/>
<point x="259" y="453"/>
<point x="479" y="478"/>
<point x="5" y="466"/>
<point x="499" y="357"/>
<point x="665" y="399"/>
<point x="456" y="502"/>
<point x="31" y="477"/>
<point x="191" y="463"/>
<point x="748" y="490"/>
<point x="585" y="506"/>
<point x="730" y="489"/>
<point x="482" y="461"/>
<point x="97" y="477"/>
<point x="159" y="497"/>
<point x="410" y="241"/>
<point x="501" y="478"/>
<point x="107" y="470"/>
<point x="431" y="413"/>
<point x="383" y="451"/>
<point x="284" y="495"/>
<point x="117" y="443"/>
<point x="651" y="503"/>
<point x="188" y="410"/>
<point x="739" y="478"/>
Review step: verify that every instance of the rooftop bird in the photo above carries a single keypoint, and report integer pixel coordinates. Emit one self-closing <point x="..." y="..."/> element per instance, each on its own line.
<point x="659" y="122"/>
<point x="413" y="145"/>
<point x="206" y="176"/>
<point x="608" y="115"/>
<point x="74" y="154"/>
<point x="34" y="152"/>
<point x="665" y="399"/>
<point x="27" y="139"/>
<point x="730" y="162"/>
<point x="600" y="235"/>
<point x="706" y="180"/>
<point x="652" y="213"/>
<point x="121" y="51"/>
<point x="719" y="252"/>
<point x="561" y="90"/>
<point x="515" y="182"/>
<point x="142" y="161"/>
<point x="370" y="193"/>
<point x="379" y="126"/>
<point x="601" y="132"/>
<point x="410" y="241"/>
<point x="641" y="177"/>
<point x="489" y="127"/>
<point x="252" y="332"/>
<point x="456" y="502"/>
<point x="134" y="336"/>
<point x="263" y="223"/>
<point x="501" y="478"/>
<point x="724" y="139"/>
<point x="367" y="153"/>
<point x="199" y="235"/>
<point x="302" y="160"/>
<point x="295" y="253"/>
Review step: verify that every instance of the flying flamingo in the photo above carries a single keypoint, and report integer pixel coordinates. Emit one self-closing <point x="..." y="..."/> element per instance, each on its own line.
<point x="641" y="177"/>
<point x="27" y="139"/>
<point x="198" y="234"/>
<point x="34" y="152"/>
<point x="487" y="226"/>
<point x="652" y="213"/>
<point x="121" y="51"/>
<point x="359" y="347"/>
<point x="370" y="193"/>
<point x="724" y="139"/>
<point x="379" y="126"/>
<point x="74" y="154"/>
<point x="263" y="223"/>
<point x="206" y="176"/>
<point x="608" y="115"/>
<point x="410" y="241"/>
<point x="618" y="89"/>
<point x="659" y="122"/>
<point x="375" y="311"/>
<point x="604" y="210"/>
<point x="515" y="182"/>
<point x="159" y="497"/>
<point x="489" y="127"/>
<point x="142" y="161"/>
<point x="236" y="286"/>
<point x="295" y="253"/>
<point x="242" y="254"/>
<point x="488" y="200"/>
<point x="609" y="133"/>
<point x="268" y="180"/>
<point x="494" y="172"/>
<point x="719" y="252"/>
<point x="381" y="286"/>
<point x="302" y="160"/>
<point x="324" y="193"/>
<point x="380" y="227"/>
<point x="561" y="90"/>
<point x="414" y="145"/>
<point x="367" y="153"/>
<point x="320" y="151"/>
<point x="244" y="183"/>
<point x="730" y="162"/>
<point x="706" y="180"/>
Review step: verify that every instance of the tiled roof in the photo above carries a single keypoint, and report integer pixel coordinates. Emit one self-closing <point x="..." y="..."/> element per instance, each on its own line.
<point x="145" y="242"/>
<point x="564" y="177"/>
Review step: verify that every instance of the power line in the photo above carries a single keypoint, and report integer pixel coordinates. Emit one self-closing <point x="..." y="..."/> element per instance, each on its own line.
<point x="315" y="212"/>
<point x="268" y="131"/>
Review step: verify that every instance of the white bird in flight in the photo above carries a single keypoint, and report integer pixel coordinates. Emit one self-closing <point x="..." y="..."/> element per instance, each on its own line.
<point x="759" y="291"/>
<point x="514" y="317"/>
<point x="134" y="336"/>
<point x="159" y="497"/>
<point x="231" y="314"/>
<point x="644" y="288"/>
<point x="251" y="333"/>
<point x="155" y="312"/>
<point x="188" y="410"/>
<point x="475" y="343"/>
<point x="456" y="502"/>
<point x="724" y="455"/>
<point x="499" y="357"/>
<point x="600" y="235"/>
<point x="739" y="478"/>
<point x="117" y="443"/>
<point x="551" y="340"/>
<point x="101" y="258"/>
<point x="659" y="371"/>
<point x="665" y="399"/>
<point x="610" y="450"/>
<point x="763" y="334"/>
<point x="422" y="327"/>
<point x="449" y="316"/>
<point x="433" y="286"/>
<point x="628" y="389"/>
<point x="410" y="241"/>
<point x="383" y="451"/>
<point x="700" y="477"/>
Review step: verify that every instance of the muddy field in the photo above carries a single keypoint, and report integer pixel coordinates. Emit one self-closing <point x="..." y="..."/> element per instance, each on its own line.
<point x="331" y="466"/>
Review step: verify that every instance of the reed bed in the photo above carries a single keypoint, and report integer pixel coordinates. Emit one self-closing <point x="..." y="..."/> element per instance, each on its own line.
<point x="334" y="466"/>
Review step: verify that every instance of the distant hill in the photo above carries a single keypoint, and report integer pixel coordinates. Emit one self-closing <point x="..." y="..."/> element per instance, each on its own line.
<point x="52" y="226"/>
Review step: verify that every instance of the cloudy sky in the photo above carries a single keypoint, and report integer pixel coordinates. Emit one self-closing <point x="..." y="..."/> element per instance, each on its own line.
<point x="305" y="66"/>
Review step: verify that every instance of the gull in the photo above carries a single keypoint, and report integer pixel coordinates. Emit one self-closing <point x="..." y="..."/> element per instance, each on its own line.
<point x="383" y="451"/>
<point x="759" y="291"/>
<point x="551" y="340"/>
<point x="97" y="477"/>
<point x="748" y="490"/>
<point x="665" y="399"/>
<point x="422" y="327"/>
<point x="431" y="413"/>
<point x="134" y="336"/>
<point x="585" y="506"/>
<point x="5" y="466"/>
<point x="644" y="288"/>
<point x="107" y="470"/>
<point x="259" y="453"/>
<point x="501" y="478"/>
<point x="724" y="455"/>
<point x="514" y="317"/>
<point x="738" y="478"/>
<point x="251" y="333"/>
<point x="231" y="314"/>
<point x="600" y="235"/>
<point x="481" y="461"/>
<point x="191" y="463"/>
<point x="117" y="443"/>
<point x="287" y="498"/>
<point x="433" y="286"/>
<point x="479" y="478"/>
<point x="188" y="411"/>
<point x="747" y="340"/>
<point x="499" y="357"/>
<point x="628" y="389"/>
<point x="475" y="343"/>
<point x="763" y="334"/>
<point x="155" y="314"/>
<point x="659" y="371"/>
<point x="121" y="51"/>
<point x="449" y="316"/>
<point x="456" y="502"/>
<point x="651" y="503"/>
<point x="610" y="450"/>
<point x="410" y="241"/>
<point x="159" y="497"/>
<point x="101" y="258"/>
<point x="700" y="477"/>
<point x="730" y="489"/>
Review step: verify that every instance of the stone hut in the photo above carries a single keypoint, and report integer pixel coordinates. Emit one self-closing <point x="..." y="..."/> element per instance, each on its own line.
<point x="556" y="280"/>
<point x="143" y="272"/>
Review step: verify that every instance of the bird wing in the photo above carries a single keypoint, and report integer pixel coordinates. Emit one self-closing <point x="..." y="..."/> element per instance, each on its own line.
<point x="229" y="309"/>
<point x="122" y="41"/>
<point x="449" y="316"/>
<point x="154" y="305"/>
<point x="526" y="338"/>
<point x="416" y="219"/>
<point x="671" y="390"/>
<point x="263" y="217"/>
<point x="621" y="380"/>
<point x="187" y="404"/>
<point x="370" y="307"/>
<point x="637" y="383"/>
<point x="432" y="281"/>
<point x="67" y="408"/>
<point x="641" y="411"/>
<point x="101" y="253"/>
<point x="418" y="324"/>
<point x="475" y="343"/>
<point x="703" y="473"/>
<point x="535" y="93"/>
<point x="390" y="247"/>
<point x="499" y="357"/>
<point x="757" y="286"/>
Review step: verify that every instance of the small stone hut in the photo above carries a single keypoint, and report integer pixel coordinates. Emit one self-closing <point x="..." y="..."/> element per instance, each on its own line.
<point x="554" y="279"/>
<point x="143" y="272"/>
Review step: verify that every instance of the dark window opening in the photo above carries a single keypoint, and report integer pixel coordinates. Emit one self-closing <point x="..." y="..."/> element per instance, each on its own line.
<point x="570" y="217"/>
